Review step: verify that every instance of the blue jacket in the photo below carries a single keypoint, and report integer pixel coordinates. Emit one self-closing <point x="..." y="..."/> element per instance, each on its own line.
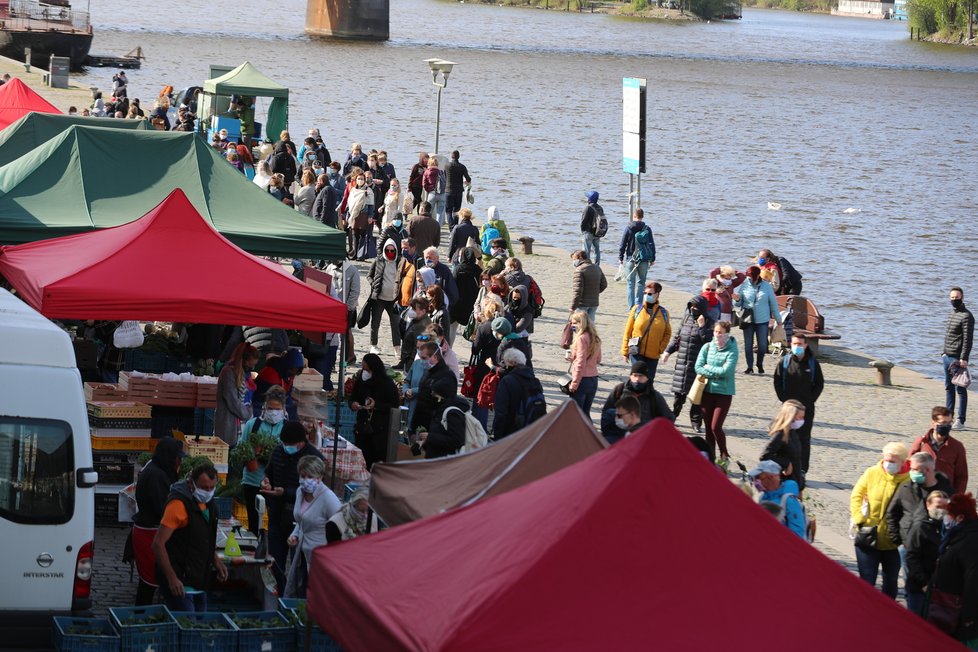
<point x="626" y="246"/>
<point x="794" y="515"/>
<point x="760" y="297"/>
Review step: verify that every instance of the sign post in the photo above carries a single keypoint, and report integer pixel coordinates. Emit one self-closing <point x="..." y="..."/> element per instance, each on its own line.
<point x="633" y="138"/>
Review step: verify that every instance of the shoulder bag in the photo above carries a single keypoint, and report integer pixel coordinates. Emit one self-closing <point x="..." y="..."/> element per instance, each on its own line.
<point x="567" y="336"/>
<point x="960" y="377"/>
<point x="564" y="381"/>
<point x="634" y="342"/>
<point x="944" y="610"/>
<point x="698" y="388"/>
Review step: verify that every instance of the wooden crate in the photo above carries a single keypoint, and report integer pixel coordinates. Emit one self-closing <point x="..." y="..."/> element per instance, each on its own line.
<point x="120" y="409"/>
<point x="104" y="392"/>
<point x="211" y="447"/>
<point x="154" y="391"/>
<point x="207" y="395"/>
<point x="124" y="444"/>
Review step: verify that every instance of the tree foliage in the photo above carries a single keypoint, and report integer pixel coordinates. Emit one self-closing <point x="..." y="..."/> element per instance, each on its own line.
<point x="947" y="18"/>
<point x="710" y="9"/>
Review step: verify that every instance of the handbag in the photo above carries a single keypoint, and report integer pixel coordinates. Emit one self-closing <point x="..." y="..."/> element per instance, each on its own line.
<point x="866" y="536"/>
<point x="564" y="381"/>
<point x="468" y="381"/>
<point x="944" y="610"/>
<point x="469" y="329"/>
<point x="128" y="335"/>
<point x="634" y="342"/>
<point x="745" y="317"/>
<point x="486" y="398"/>
<point x="364" y="317"/>
<point x="960" y="377"/>
<point x="567" y="336"/>
<point x="696" y="391"/>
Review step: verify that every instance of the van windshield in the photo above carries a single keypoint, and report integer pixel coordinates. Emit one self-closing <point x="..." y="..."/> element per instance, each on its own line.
<point x="36" y="471"/>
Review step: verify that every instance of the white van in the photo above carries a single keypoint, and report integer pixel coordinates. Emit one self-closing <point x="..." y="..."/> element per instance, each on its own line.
<point x="47" y="483"/>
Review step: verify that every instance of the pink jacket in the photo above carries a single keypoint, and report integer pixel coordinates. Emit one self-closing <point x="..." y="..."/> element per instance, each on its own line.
<point x="581" y="365"/>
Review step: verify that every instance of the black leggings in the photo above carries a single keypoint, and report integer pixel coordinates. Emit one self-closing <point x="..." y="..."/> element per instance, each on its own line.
<point x="379" y="308"/>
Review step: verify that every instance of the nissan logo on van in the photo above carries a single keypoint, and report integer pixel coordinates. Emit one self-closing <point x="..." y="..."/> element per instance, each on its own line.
<point x="44" y="560"/>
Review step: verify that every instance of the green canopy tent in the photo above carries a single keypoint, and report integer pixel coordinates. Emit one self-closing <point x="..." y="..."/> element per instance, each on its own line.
<point x="92" y="177"/>
<point x="36" y="128"/>
<point x="248" y="80"/>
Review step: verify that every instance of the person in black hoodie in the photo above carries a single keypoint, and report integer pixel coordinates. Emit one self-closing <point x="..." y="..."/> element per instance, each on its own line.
<point x="517" y="383"/>
<point x="467" y="280"/>
<point x="695" y="330"/>
<point x="909" y="496"/>
<point x="186" y="541"/>
<point x="283" y="162"/>
<point x="462" y="233"/>
<point x="651" y="402"/>
<point x="152" y="489"/>
<point x="438" y="384"/>
<point x="922" y="543"/>
<point x="373" y="397"/>
<point x="519" y="306"/>
<point x="279" y="487"/>
<point x="799" y="376"/>
<point x="957" y="567"/>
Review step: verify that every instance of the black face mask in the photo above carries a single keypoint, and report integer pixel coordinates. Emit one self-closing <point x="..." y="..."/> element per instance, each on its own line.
<point x="637" y="387"/>
<point x="944" y="429"/>
<point x="957" y="303"/>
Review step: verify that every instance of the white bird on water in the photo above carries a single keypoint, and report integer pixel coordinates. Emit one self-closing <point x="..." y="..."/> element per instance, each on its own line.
<point x="773" y="206"/>
<point x="851" y="211"/>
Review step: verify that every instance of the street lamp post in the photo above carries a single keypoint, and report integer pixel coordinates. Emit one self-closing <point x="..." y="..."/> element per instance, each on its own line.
<point x="445" y="68"/>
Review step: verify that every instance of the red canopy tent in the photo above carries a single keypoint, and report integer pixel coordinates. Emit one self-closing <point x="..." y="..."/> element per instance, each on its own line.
<point x="17" y="99"/>
<point x="644" y="545"/>
<point x="169" y="265"/>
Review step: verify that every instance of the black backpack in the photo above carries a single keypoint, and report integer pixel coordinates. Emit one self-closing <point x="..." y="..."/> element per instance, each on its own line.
<point x="790" y="278"/>
<point x="600" y="228"/>
<point x="533" y="406"/>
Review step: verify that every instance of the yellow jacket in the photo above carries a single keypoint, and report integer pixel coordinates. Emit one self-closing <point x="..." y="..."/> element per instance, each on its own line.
<point x="655" y="342"/>
<point x="878" y="487"/>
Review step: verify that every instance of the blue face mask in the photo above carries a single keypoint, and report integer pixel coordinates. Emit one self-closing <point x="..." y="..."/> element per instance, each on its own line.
<point x="762" y="261"/>
<point x="650" y="299"/>
<point x="397" y="223"/>
<point x="429" y="263"/>
<point x="798" y="350"/>
<point x="290" y="450"/>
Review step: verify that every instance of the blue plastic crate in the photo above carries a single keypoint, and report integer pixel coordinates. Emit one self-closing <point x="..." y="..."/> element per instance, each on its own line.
<point x="106" y="639"/>
<point x="138" y="360"/>
<point x="204" y="421"/>
<point x="348" y="490"/>
<point x="277" y="636"/>
<point x="320" y="641"/>
<point x="225" y="507"/>
<point x="161" y="636"/>
<point x="206" y="640"/>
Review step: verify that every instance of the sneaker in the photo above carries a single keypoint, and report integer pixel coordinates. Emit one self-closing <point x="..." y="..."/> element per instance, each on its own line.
<point x="375" y="350"/>
<point x="959" y="425"/>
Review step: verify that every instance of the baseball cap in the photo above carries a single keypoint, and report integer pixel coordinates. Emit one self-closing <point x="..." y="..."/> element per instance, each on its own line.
<point x="766" y="466"/>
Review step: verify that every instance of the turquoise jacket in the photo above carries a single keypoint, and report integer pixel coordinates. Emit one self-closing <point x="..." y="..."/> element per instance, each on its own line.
<point x="761" y="298"/>
<point x="254" y="478"/>
<point x="720" y="366"/>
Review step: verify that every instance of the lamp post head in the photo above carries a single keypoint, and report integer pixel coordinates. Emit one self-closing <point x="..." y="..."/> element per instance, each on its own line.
<point x="440" y="66"/>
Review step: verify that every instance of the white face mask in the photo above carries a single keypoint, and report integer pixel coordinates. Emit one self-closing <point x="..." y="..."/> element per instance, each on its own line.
<point x="365" y="374"/>
<point x="797" y="423"/>
<point x="273" y="416"/>
<point x="620" y="424"/>
<point x="203" y="496"/>
<point x="937" y="513"/>
<point x="308" y="485"/>
<point x="722" y="339"/>
<point x="891" y="467"/>
<point x="726" y="281"/>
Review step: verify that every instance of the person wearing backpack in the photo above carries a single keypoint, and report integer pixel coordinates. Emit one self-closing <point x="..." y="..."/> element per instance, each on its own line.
<point x="798" y="377"/>
<point x="636" y="252"/>
<point x="767" y="480"/>
<point x="594" y="226"/>
<point x="433" y="182"/>
<point x="492" y="229"/>
<point x="446" y="432"/>
<point x="519" y="397"/>
<point x="437" y="384"/>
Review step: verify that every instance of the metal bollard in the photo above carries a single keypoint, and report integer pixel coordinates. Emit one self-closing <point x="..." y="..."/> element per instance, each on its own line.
<point x="883" y="368"/>
<point x="527" y="243"/>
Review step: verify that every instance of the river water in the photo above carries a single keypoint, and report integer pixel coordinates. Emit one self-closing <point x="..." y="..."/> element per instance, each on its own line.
<point x="814" y="112"/>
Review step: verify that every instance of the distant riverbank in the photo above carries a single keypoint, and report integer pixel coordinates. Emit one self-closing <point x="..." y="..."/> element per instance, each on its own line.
<point x="623" y="9"/>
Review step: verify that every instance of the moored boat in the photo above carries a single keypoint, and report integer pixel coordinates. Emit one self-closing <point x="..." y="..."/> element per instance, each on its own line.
<point x="46" y="28"/>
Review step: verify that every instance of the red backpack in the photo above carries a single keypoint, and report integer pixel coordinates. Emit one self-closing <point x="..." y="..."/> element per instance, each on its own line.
<point x="536" y="297"/>
<point x="487" y="391"/>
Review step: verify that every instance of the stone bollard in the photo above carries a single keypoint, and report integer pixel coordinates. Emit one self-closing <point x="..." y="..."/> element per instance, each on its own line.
<point x="883" y="368"/>
<point x="527" y="242"/>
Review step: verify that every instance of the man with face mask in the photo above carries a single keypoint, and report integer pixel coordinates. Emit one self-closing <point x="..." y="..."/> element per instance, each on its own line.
<point x="799" y="377"/>
<point x="438" y="383"/>
<point x="443" y="274"/>
<point x="279" y="487"/>
<point x="924" y="479"/>
<point x="651" y="403"/>
<point x="922" y="544"/>
<point x="774" y="489"/>
<point x="957" y="569"/>
<point x="959" y="335"/>
<point x="628" y="414"/>
<point x="185" y="543"/>
<point x="948" y="453"/>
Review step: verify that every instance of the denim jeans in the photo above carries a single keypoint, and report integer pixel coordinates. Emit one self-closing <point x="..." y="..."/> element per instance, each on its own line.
<point x="584" y="396"/>
<point x="635" y="274"/>
<point x="437" y="201"/>
<point x="915" y="602"/>
<point x="187" y="602"/>
<point x="651" y="363"/>
<point x="752" y="332"/>
<point x="950" y="390"/>
<point x="870" y="560"/>
<point x="589" y="243"/>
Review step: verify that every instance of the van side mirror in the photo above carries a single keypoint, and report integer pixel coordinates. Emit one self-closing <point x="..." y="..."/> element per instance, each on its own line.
<point x="86" y="478"/>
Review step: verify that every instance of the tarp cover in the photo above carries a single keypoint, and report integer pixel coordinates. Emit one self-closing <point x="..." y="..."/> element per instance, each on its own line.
<point x="170" y="265"/>
<point x="245" y="80"/>
<point x="92" y="177"/>
<point x="643" y="546"/>
<point x="17" y="99"/>
<point x="407" y="491"/>
<point x="36" y="128"/>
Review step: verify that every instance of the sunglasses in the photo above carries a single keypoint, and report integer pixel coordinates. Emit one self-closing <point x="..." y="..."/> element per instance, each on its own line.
<point x="423" y="338"/>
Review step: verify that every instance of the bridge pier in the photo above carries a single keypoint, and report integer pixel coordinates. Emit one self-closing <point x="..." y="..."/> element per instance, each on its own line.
<point x="350" y="19"/>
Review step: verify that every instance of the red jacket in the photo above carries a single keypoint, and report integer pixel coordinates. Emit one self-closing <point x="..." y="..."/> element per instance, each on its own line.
<point x="951" y="459"/>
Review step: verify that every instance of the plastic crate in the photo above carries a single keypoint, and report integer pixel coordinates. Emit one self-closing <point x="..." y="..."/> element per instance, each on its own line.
<point x="106" y="639"/>
<point x="204" y="421"/>
<point x="240" y="513"/>
<point x="277" y="636"/>
<point x="213" y="448"/>
<point x="115" y="467"/>
<point x="206" y="640"/>
<point x="119" y="410"/>
<point x="320" y="641"/>
<point x="161" y="636"/>
<point x="124" y="444"/>
<point x="168" y="419"/>
<point x="225" y="507"/>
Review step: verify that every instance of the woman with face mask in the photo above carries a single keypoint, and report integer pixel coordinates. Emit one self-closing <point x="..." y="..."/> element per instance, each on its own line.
<point x="352" y="519"/>
<point x="384" y="284"/>
<point x="956" y="575"/>
<point x="760" y="307"/>
<point x="717" y="360"/>
<point x="923" y="545"/>
<point x="647" y="331"/>
<point x="784" y="446"/>
<point x="269" y="424"/>
<point x="870" y="497"/>
<point x="373" y="397"/>
<point x="315" y="504"/>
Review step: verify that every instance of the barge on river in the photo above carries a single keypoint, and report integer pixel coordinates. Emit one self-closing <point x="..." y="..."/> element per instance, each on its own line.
<point x="46" y="28"/>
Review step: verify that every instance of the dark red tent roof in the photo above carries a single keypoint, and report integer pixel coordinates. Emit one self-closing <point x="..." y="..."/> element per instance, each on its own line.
<point x="17" y="99"/>
<point x="644" y="545"/>
<point x="169" y="265"/>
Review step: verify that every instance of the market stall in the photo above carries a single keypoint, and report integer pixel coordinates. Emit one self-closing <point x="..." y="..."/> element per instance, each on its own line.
<point x="17" y="99"/>
<point x="249" y="82"/>
<point x="77" y="182"/>
<point x="35" y="129"/>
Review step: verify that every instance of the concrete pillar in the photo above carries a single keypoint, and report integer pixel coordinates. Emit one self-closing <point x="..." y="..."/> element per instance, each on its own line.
<point x="352" y="19"/>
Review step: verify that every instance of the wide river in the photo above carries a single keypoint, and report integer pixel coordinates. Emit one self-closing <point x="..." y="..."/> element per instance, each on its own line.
<point x="817" y="113"/>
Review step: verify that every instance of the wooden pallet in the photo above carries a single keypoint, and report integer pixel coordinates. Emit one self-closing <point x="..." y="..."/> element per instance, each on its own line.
<point x="206" y="395"/>
<point x="104" y="392"/>
<point x="154" y="391"/>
